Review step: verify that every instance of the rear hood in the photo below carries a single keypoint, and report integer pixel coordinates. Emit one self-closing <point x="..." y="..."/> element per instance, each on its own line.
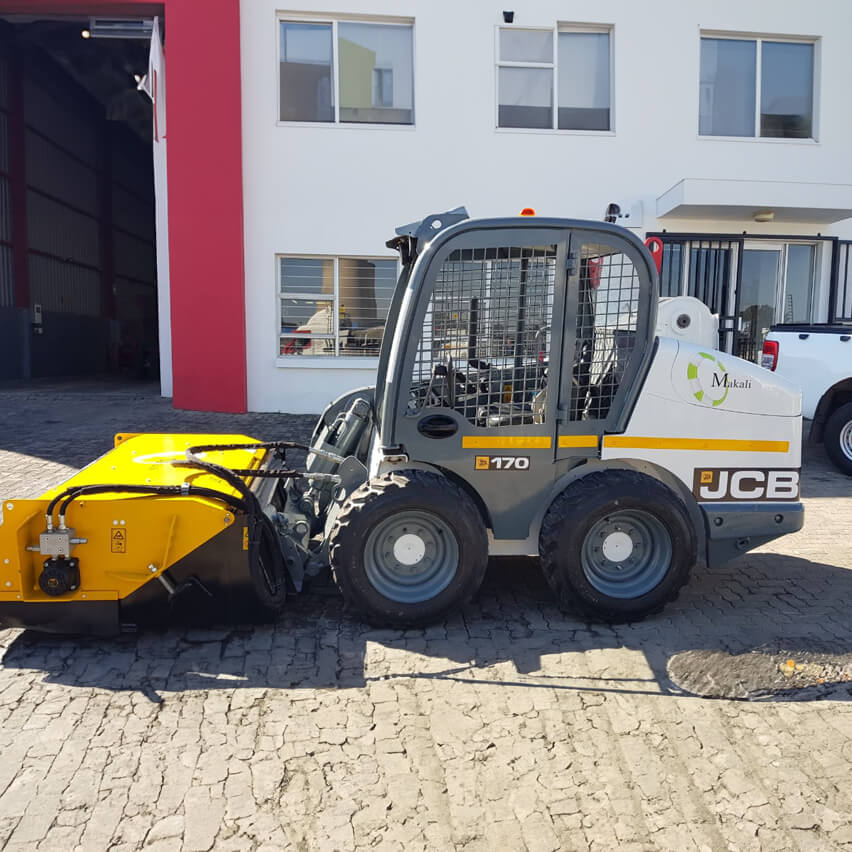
<point x="718" y="381"/>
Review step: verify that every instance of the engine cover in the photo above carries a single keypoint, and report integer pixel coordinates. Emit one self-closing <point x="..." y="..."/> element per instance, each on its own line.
<point x="687" y="319"/>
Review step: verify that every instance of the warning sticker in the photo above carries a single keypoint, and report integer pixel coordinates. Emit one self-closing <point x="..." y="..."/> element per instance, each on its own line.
<point x="118" y="541"/>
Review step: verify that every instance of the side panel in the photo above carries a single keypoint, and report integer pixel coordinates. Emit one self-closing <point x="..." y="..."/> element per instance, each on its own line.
<point x="672" y="428"/>
<point x="127" y="543"/>
<point x="123" y="542"/>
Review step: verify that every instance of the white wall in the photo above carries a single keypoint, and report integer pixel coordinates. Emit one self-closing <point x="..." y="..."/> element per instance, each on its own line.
<point x="342" y="189"/>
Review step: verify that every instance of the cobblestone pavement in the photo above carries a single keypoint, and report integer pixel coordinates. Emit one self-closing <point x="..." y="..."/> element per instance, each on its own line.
<point x="511" y="726"/>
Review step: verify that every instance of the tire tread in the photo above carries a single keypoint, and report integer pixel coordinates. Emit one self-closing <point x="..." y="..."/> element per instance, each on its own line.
<point x="379" y="489"/>
<point x="571" y="503"/>
<point x="831" y="437"/>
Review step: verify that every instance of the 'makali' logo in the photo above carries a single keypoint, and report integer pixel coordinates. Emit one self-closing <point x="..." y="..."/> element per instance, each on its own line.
<point x="709" y="380"/>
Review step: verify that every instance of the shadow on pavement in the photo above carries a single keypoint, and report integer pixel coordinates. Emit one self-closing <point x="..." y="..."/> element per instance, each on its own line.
<point x="731" y="634"/>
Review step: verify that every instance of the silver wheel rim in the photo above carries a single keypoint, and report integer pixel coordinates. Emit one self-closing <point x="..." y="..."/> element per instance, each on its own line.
<point x="845" y="440"/>
<point x="626" y="554"/>
<point x="411" y="557"/>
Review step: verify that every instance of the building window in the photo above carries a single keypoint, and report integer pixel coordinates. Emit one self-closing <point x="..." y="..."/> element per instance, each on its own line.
<point x="555" y="78"/>
<point x="334" y="306"/>
<point x="346" y="72"/>
<point x="756" y="87"/>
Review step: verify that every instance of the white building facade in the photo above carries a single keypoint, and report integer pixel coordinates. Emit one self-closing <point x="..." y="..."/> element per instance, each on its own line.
<point x="722" y="127"/>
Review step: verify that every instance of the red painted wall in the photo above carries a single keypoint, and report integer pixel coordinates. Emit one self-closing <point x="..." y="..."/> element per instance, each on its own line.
<point x="204" y="131"/>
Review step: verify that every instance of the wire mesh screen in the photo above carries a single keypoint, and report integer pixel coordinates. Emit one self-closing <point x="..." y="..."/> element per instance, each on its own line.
<point x="486" y="336"/>
<point x="607" y="311"/>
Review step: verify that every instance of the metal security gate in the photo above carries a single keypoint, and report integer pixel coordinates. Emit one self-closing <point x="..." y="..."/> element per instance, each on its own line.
<point x="710" y="270"/>
<point x="841" y="303"/>
<point x="710" y="267"/>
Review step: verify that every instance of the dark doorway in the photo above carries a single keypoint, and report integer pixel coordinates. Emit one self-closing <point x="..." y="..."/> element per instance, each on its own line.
<point x="77" y="227"/>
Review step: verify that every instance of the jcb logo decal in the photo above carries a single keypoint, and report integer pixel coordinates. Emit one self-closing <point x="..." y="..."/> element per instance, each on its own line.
<point x="502" y="463"/>
<point x="713" y="484"/>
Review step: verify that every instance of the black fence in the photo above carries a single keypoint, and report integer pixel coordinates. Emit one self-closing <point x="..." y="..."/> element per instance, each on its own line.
<point x="841" y="302"/>
<point x="712" y="271"/>
<point x="709" y="267"/>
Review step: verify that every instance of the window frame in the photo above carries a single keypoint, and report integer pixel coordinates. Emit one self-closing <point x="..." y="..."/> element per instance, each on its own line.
<point x="303" y="18"/>
<point x="555" y="30"/>
<point x="337" y="360"/>
<point x="781" y="292"/>
<point x="759" y="38"/>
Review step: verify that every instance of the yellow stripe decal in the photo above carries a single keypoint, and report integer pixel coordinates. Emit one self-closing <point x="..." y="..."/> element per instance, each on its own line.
<point x="629" y="442"/>
<point x="573" y="441"/>
<point x="506" y="442"/>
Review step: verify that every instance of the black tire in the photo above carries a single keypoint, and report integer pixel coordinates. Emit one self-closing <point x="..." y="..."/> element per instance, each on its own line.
<point x="838" y="438"/>
<point x="267" y="571"/>
<point x="380" y="502"/>
<point x="588" y="506"/>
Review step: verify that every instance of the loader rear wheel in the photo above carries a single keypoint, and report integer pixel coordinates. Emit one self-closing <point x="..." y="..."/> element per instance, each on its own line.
<point x="838" y="438"/>
<point x="619" y="543"/>
<point x="407" y="547"/>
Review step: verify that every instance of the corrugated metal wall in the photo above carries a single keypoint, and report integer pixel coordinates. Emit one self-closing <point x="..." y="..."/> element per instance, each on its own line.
<point x="7" y="282"/>
<point x="52" y="170"/>
<point x="134" y="258"/>
<point x="61" y="119"/>
<point x="86" y="195"/>
<point x="63" y="218"/>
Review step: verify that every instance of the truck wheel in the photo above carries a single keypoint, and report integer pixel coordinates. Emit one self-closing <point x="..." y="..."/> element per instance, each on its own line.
<point x="619" y="543"/>
<point x="407" y="547"/>
<point x="838" y="438"/>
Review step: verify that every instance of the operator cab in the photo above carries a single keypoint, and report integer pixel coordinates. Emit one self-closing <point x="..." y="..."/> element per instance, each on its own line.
<point x="524" y="333"/>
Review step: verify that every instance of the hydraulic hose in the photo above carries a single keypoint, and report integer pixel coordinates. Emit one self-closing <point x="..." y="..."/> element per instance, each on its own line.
<point x="193" y="460"/>
<point x="268" y="445"/>
<point x="148" y="490"/>
<point x="70" y="494"/>
<point x="268" y="575"/>
<point x="270" y="580"/>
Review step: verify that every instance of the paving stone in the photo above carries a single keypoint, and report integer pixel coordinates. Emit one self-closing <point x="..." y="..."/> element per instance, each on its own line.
<point x="510" y="726"/>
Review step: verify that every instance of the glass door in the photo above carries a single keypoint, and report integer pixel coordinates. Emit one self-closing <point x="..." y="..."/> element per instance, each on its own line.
<point x="799" y="281"/>
<point x="758" y="297"/>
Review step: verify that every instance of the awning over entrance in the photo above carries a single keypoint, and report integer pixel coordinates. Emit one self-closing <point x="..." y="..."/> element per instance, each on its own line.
<point x="749" y="200"/>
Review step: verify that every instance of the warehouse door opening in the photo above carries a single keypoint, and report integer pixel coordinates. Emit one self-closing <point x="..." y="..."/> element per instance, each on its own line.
<point x="78" y="282"/>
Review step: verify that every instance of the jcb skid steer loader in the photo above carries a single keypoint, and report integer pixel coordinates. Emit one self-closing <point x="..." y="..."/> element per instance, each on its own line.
<point x="524" y="405"/>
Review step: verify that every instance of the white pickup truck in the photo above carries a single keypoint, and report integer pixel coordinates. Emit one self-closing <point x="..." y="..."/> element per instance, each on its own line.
<point x="818" y="358"/>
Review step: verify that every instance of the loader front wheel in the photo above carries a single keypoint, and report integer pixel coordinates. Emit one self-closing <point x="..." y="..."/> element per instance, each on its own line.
<point x="619" y="544"/>
<point x="408" y="547"/>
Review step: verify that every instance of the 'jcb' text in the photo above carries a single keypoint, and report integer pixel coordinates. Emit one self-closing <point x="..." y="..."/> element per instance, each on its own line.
<point x="712" y="484"/>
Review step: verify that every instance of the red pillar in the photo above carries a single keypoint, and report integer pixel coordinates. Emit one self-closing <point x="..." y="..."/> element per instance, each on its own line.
<point x="207" y="270"/>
